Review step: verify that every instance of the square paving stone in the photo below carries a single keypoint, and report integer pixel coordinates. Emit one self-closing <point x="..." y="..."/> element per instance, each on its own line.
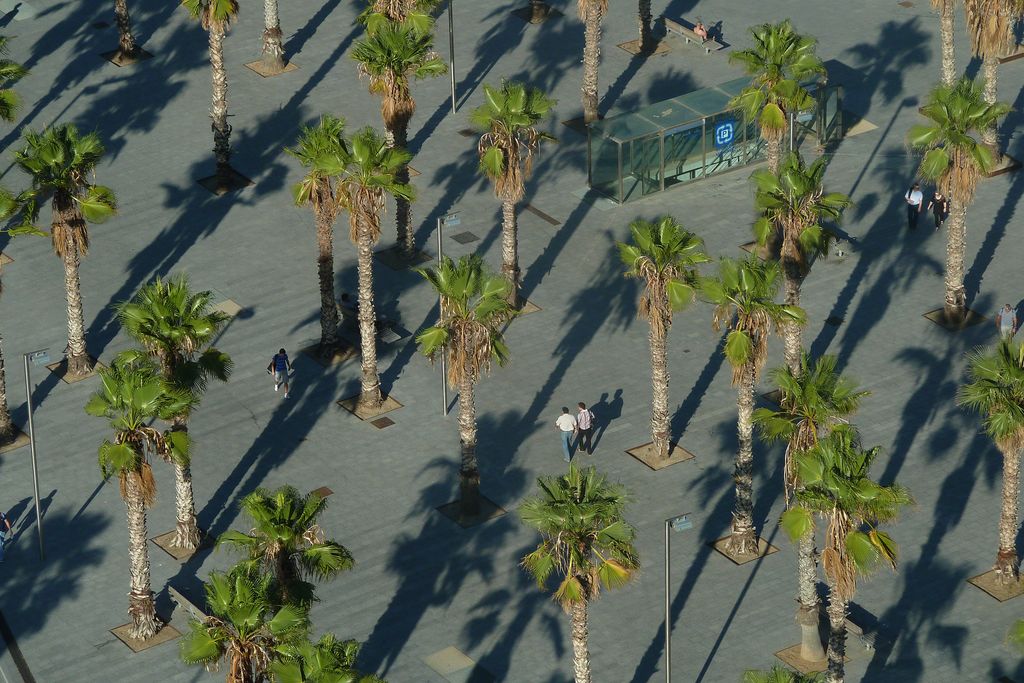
<point x="1006" y="165"/>
<point x="995" y="588"/>
<point x="938" y="316"/>
<point x="351" y="404"/>
<point x="382" y="422"/>
<point x="166" y="634"/>
<point x="342" y="352"/>
<point x="633" y="48"/>
<point x="527" y="307"/>
<point x="20" y="439"/>
<point x="465" y="237"/>
<point x="448" y="660"/>
<point x="115" y="57"/>
<point x="488" y="510"/>
<point x="763" y="548"/>
<point x="395" y="259"/>
<point x="259" y="68"/>
<point x="235" y="181"/>
<point x="791" y="657"/>
<point x="646" y="454"/>
<point x="5" y="259"/>
<point x="526" y="14"/>
<point x="323" y="491"/>
<point x="163" y="541"/>
<point x="228" y="307"/>
<point x="577" y="125"/>
<point x="60" y="368"/>
<point x="763" y="253"/>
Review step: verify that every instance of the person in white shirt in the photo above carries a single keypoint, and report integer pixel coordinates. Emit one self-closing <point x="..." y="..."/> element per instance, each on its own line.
<point x="1006" y="321"/>
<point x="585" y="427"/>
<point x="566" y="424"/>
<point x="915" y="201"/>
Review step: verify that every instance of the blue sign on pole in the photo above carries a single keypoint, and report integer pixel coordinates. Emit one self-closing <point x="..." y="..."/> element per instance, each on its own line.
<point x="725" y="131"/>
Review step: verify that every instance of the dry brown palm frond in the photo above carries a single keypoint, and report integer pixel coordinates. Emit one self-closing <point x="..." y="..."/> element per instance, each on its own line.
<point x="990" y="26"/>
<point x="70" y="236"/>
<point x="835" y="562"/>
<point x="365" y="207"/>
<point x="961" y="180"/>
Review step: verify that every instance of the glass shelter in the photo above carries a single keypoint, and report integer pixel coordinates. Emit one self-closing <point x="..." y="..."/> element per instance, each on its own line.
<point x="690" y="137"/>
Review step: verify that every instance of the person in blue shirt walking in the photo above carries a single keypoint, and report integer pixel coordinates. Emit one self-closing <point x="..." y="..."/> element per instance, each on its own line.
<point x="280" y="367"/>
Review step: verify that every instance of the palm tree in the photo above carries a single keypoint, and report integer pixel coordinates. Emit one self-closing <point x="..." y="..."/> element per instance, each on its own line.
<point x="508" y="119"/>
<point x="370" y="172"/>
<point x="744" y="298"/>
<point x="390" y="57"/>
<point x="591" y="12"/>
<point x="287" y="541"/>
<point x="328" y="660"/>
<point x="814" y="401"/>
<point x="216" y="16"/>
<point x="664" y="255"/>
<point x="10" y="73"/>
<point x="779" y="674"/>
<point x="794" y="199"/>
<point x="415" y="14"/>
<point x="320" y="150"/>
<point x="246" y="629"/>
<point x="132" y="395"/>
<point x="586" y="542"/>
<point x="945" y="10"/>
<point x="779" y="63"/>
<point x="469" y="335"/>
<point x="272" y="52"/>
<point x="127" y="48"/>
<point x="60" y="161"/>
<point x="955" y="161"/>
<point x="644" y="24"/>
<point x="176" y="327"/>
<point x="990" y="24"/>
<point x="836" y="486"/>
<point x="995" y="388"/>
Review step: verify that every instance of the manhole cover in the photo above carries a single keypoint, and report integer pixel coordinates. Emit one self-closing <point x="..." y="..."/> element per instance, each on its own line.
<point x="382" y="422"/>
<point x="465" y="237"/>
<point x="834" y="320"/>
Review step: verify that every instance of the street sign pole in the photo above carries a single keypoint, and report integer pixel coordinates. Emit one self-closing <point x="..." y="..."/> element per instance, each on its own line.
<point x="39" y="357"/>
<point x="679" y="523"/>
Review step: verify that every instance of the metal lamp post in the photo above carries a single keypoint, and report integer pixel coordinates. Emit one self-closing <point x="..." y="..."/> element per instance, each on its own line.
<point x="450" y="220"/>
<point x="40" y="357"/>
<point x="678" y="523"/>
<point x="451" y="46"/>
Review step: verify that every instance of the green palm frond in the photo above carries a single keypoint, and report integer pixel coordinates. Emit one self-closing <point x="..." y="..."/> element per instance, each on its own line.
<point x="780" y="674"/>
<point x="585" y="541"/>
<point x="474" y="311"/>
<point x="995" y="388"/>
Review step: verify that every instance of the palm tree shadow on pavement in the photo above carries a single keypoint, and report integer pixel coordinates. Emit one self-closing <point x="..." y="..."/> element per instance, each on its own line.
<point x="436" y="562"/>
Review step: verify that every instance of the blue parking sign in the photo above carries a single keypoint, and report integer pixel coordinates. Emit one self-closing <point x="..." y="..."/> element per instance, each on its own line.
<point x="725" y="131"/>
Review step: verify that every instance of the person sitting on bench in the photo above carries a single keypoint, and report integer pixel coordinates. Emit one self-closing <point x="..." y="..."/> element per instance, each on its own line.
<point x="701" y="30"/>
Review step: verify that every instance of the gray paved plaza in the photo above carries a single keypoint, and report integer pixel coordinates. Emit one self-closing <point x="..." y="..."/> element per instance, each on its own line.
<point x="421" y="584"/>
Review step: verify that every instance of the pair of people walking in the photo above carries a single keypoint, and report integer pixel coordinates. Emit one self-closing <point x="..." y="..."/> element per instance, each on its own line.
<point x="581" y="426"/>
<point x="938" y="205"/>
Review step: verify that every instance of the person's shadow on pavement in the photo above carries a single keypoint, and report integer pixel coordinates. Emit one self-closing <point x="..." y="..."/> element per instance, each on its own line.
<point x="604" y="412"/>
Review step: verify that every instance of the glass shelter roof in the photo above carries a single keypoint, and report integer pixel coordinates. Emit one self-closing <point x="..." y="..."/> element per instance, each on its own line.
<point x="669" y="113"/>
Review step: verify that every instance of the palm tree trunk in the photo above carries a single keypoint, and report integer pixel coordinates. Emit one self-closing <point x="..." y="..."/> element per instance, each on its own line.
<point x="773" y="150"/>
<point x="141" y="608"/>
<point x="837" y="610"/>
<point x="469" y="473"/>
<point x="659" y="387"/>
<point x="369" y="396"/>
<point x="1006" y="559"/>
<point x="6" y="425"/>
<point x="807" y="614"/>
<point x="186" y="532"/>
<point x="743" y="540"/>
<point x="792" y="337"/>
<point x="591" y="59"/>
<point x="78" y="359"/>
<point x="510" y="249"/>
<point x="990" y="68"/>
<point x="580" y="635"/>
<point x="127" y="46"/>
<point x="644" y="25"/>
<point x="273" y="49"/>
<point x="325" y="274"/>
<point x="219" y="106"/>
<point x="946" y="32"/>
<point x="956" y="250"/>
<point x="403" y="207"/>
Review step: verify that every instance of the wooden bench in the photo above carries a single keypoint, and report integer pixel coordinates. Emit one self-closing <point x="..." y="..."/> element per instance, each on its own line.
<point x="180" y="600"/>
<point x="690" y="37"/>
